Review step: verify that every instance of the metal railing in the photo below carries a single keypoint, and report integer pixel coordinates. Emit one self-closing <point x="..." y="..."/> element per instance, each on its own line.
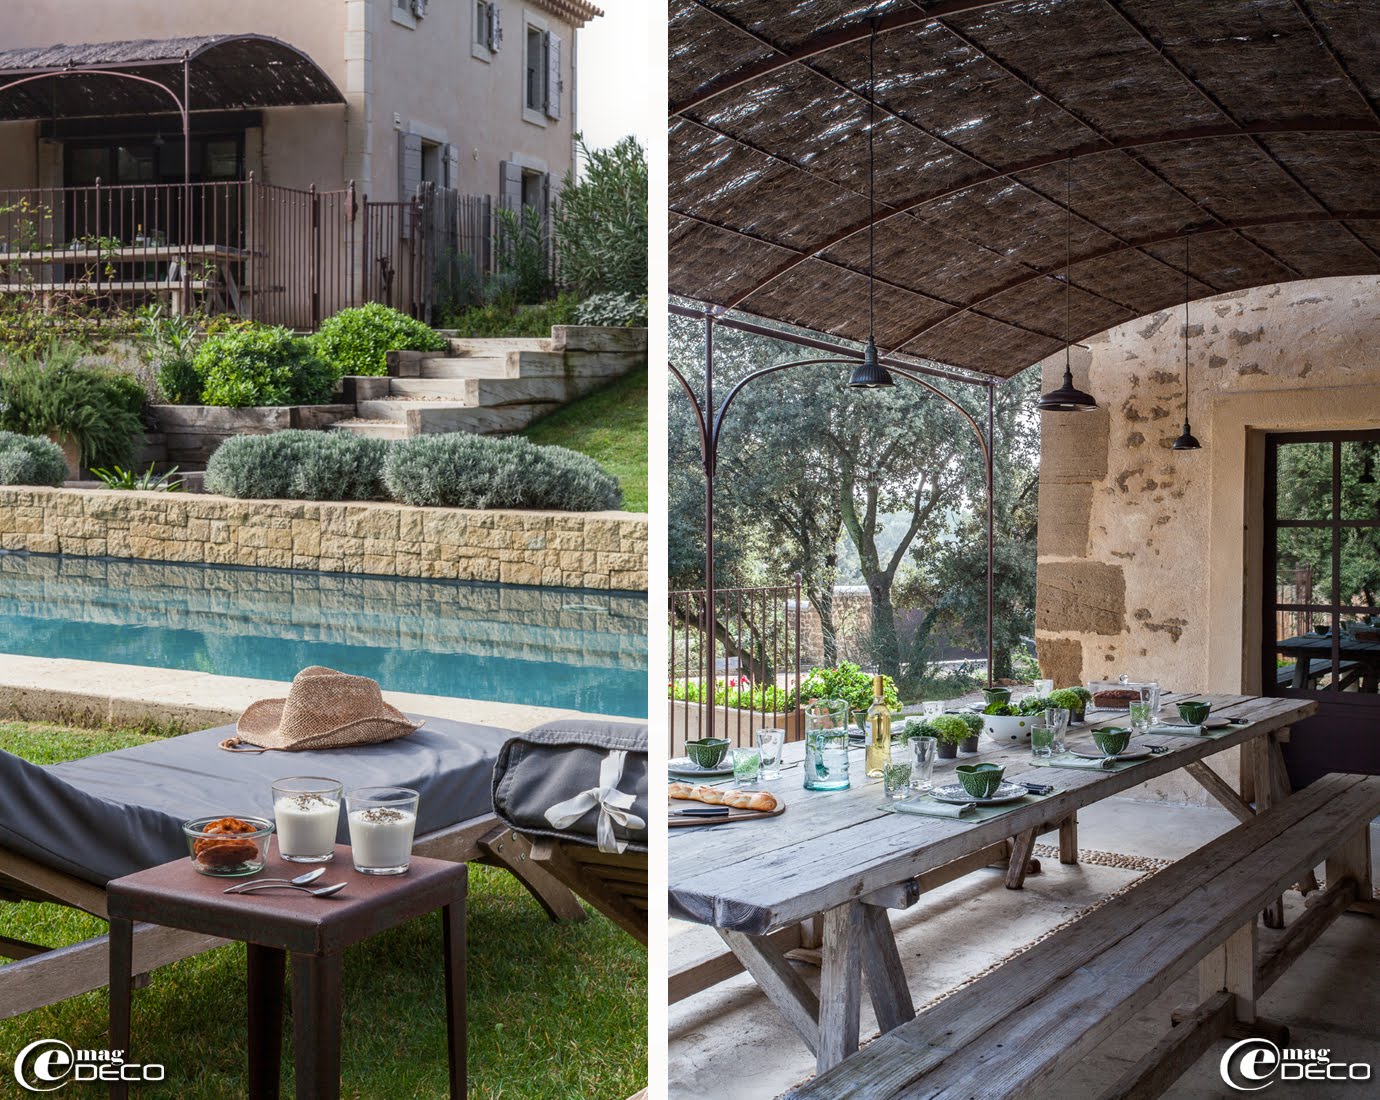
<point x="256" y="250"/>
<point x="749" y="647"/>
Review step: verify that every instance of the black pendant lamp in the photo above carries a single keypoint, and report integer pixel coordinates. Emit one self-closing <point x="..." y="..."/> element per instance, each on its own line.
<point x="1187" y="441"/>
<point x="1068" y="397"/>
<point x="870" y="374"/>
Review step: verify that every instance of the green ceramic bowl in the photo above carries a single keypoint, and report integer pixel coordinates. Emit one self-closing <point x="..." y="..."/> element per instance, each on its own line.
<point x="1112" y="740"/>
<point x="708" y="752"/>
<point x="1195" y="713"/>
<point x="980" y="780"/>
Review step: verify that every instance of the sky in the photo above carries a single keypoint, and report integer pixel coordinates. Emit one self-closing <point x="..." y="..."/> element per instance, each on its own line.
<point x="616" y="94"/>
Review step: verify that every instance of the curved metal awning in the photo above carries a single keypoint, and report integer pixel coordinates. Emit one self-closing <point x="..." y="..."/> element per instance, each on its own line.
<point x="227" y="72"/>
<point x="1252" y="125"/>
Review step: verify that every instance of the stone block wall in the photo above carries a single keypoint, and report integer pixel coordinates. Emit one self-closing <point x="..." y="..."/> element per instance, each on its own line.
<point x="601" y="550"/>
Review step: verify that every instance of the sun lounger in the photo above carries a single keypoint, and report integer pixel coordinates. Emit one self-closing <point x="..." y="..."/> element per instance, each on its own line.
<point x="596" y="770"/>
<point x="67" y="829"/>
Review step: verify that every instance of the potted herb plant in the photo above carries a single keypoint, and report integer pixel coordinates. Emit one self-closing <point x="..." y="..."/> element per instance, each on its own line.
<point x="974" y="723"/>
<point x="950" y="730"/>
<point x="1075" y="700"/>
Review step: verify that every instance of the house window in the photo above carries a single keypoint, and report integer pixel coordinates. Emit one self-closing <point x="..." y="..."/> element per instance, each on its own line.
<point x="542" y="86"/>
<point x="408" y="12"/>
<point x="487" y="38"/>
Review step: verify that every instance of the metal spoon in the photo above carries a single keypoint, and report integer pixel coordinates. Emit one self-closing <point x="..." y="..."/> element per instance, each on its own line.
<point x="301" y="880"/>
<point x="317" y="892"/>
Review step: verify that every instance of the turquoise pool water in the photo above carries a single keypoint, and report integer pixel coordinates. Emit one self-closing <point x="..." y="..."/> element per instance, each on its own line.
<point x="546" y="647"/>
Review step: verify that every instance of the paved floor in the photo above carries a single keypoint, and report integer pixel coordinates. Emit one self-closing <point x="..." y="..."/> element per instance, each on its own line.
<point x="728" y="1043"/>
<point x="92" y="692"/>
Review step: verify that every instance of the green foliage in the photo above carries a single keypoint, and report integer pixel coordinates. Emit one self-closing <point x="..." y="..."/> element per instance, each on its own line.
<point x="912" y="727"/>
<point x="1001" y="710"/>
<point x="100" y="409"/>
<point x="1035" y="704"/>
<point x="358" y="340"/>
<point x="262" y="365"/>
<point x="524" y="257"/>
<point x="147" y="482"/>
<point x="298" y="465"/>
<point x="850" y="683"/>
<point x="168" y="341"/>
<point x="950" y="728"/>
<point x="601" y="222"/>
<point x="615" y="309"/>
<point x="736" y="691"/>
<point x="1069" y="699"/>
<point x="30" y="460"/>
<point x="460" y="470"/>
<point x="974" y="720"/>
<point x="531" y="322"/>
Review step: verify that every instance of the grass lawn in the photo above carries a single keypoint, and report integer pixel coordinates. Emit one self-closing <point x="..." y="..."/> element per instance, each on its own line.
<point x="611" y="427"/>
<point x="556" y="1012"/>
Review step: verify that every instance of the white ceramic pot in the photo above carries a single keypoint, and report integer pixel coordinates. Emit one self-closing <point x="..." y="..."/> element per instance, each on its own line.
<point x="1002" y="729"/>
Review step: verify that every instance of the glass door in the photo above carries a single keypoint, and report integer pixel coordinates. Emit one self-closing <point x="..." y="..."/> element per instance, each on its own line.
<point x="1321" y="636"/>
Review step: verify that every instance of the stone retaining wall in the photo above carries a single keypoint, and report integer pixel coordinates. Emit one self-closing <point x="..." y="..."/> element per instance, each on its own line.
<point x="603" y="550"/>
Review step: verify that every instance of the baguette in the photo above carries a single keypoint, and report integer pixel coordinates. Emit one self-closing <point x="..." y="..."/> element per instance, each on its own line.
<point x="713" y="796"/>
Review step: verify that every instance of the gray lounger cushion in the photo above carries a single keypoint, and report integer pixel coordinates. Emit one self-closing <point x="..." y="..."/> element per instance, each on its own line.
<point x="120" y="812"/>
<point x="549" y="764"/>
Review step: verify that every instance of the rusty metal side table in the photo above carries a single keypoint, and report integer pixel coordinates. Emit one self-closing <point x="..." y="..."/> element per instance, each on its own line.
<point x="315" y="931"/>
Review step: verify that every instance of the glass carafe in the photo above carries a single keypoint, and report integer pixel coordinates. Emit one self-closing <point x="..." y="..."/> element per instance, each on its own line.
<point x="826" y="745"/>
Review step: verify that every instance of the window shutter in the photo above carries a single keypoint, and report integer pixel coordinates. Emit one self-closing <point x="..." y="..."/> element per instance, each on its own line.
<point x="409" y="165"/>
<point x="510" y="185"/>
<point x="451" y="161"/>
<point x="495" y="35"/>
<point x="553" y="76"/>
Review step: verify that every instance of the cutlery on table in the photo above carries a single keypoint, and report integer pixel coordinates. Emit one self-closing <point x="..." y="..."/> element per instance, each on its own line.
<point x="1038" y="788"/>
<point x="314" y="891"/>
<point x="301" y="880"/>
<point x="701" y="811"/>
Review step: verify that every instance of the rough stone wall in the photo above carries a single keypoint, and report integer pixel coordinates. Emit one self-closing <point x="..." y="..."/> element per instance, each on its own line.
<point x="603" y="550"/>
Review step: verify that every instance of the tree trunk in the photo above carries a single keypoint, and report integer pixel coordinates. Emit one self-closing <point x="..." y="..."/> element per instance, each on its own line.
<point x="822" y="599"/>
<point x="886" y="651"/>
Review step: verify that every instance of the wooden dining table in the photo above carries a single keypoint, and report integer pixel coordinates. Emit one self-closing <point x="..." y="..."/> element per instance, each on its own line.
<point x="1360" y="659"/>
<point x="822" y="875"/>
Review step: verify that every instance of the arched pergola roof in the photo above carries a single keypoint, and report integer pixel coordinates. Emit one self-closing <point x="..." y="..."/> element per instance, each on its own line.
<point x="228" y="71"/>
<point x="1252" y="125"/>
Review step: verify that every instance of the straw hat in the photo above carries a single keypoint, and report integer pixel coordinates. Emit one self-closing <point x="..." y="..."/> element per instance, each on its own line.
<point x="324" y="709"/>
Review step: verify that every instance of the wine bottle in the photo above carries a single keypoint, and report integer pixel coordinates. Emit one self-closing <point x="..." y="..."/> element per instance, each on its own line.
<point x="878" y="731"/>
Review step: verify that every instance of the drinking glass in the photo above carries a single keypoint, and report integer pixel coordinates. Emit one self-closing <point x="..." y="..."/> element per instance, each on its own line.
<point x="925" y="750"/>
<point x="1057" y="719"/>
<point x="826" y="745"/>
<point x="306" y="816"/>
<point x="1041" y="737"/>
<point x="1142" y="714"/>
<point x="382" y="822"/>
<point x="1043" y="687"/>
<point x="747" y="766"/>
<point x="896" y="772"/>
<point x="934" y="708"/>
<point x="769" y="743"/>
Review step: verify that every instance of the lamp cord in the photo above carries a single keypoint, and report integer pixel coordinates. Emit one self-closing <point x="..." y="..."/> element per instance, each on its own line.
<point x="871" y="176"/>
<point x="1186" y="291"/>
<point x="1068" y="264"/>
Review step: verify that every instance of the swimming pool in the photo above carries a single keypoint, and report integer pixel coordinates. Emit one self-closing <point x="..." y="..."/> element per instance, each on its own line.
<point x="550" y="647"/>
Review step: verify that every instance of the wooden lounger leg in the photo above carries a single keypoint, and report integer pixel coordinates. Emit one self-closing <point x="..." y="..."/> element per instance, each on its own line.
<point x="513" y="853"/>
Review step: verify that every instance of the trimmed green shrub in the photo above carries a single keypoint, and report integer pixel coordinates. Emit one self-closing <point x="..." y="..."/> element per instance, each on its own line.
<point x="99" y="409"/>
<point x="358" y="340"/>
<point x="179" y="382"/>
<point x="262" y="365"/>
<point x="298" y="465"/>
<point x="532" y="322"/>
<point x="29" y="460"/>
<point x="460" y="470"/>
<point x="601" y="222"/>
<point x="619" y="310"/>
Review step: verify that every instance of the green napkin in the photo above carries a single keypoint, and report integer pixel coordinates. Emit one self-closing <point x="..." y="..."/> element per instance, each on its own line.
<point x="930" y="808"/>
<point x="1068" y="760"/>
<point x="1177" y="730"/>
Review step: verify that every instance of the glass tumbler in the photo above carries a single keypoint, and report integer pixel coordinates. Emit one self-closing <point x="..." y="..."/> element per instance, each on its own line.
<point x="770" y="742"/>
<point x="922" y="770"/>
<point x="382" y="821"/>
<point x="1041" y="737"/>
<point x="747" y="766"/>
<point x="1142" y="715"/>
<point x="896" y="772"/>
<point x="1057" y="719"/>
<point x="306" y="816"/>
<point x="826" y="745"/>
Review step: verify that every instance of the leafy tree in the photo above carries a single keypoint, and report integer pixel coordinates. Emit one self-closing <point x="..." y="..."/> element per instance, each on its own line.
<point x="601" y="222"/>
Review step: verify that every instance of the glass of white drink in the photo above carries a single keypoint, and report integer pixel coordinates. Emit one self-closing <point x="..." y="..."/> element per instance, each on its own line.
<point x="382" y="821"/>
<point x="306" y="812"/>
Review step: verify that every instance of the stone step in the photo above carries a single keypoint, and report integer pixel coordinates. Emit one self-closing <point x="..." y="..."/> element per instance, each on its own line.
<point x="436" y="417"/>
<point x="482" y="346"/>
<point x="373" y="429"/>
<point x="455" y="389"/>
<point x="396" y="409"/>
<point x="485" y="366"/>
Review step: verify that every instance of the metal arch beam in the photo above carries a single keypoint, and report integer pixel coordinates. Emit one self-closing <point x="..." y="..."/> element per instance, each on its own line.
<point x="1162" y="238"/>
<point x="822" y="44"/>
<point x="888" y="211"/>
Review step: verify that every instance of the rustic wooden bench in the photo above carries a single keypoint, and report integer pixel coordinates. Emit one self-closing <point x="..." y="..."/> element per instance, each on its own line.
<point x="1018" y="1029"/>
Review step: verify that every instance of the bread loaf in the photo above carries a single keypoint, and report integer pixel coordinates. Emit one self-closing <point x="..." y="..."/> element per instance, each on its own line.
<point x="714" y="796"/>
